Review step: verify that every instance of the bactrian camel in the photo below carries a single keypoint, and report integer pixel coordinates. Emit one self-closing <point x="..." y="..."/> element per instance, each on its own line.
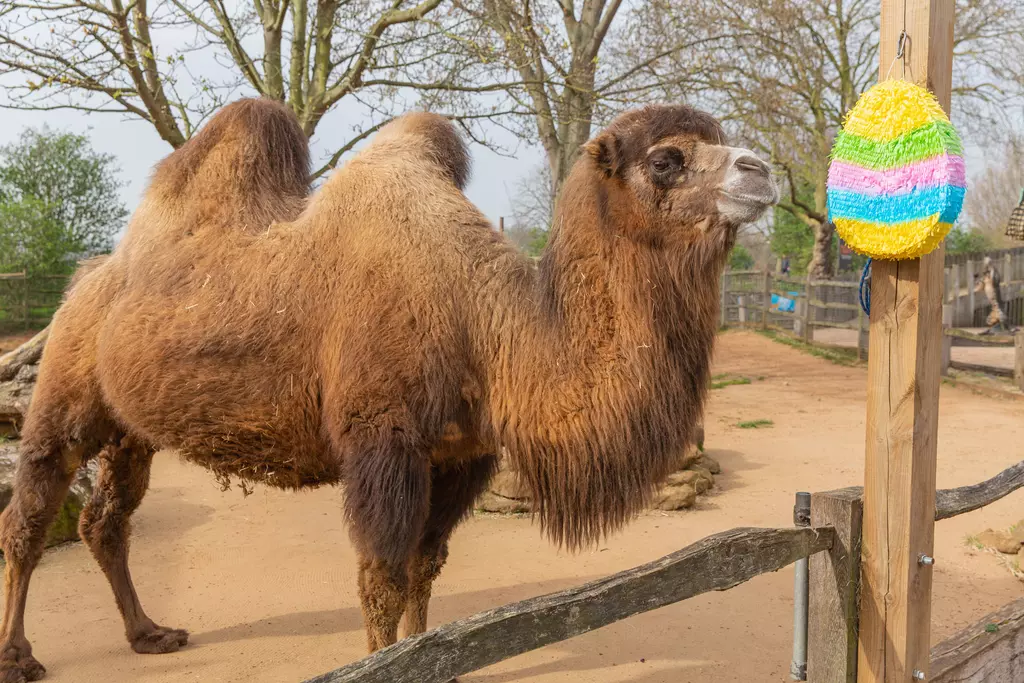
<point x="381" y="335"/>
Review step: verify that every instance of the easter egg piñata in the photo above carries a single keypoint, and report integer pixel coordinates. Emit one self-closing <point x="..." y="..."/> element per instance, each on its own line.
<point x="896" y="182"/>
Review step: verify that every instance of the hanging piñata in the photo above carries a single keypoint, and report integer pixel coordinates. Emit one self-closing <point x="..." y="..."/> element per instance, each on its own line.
<point x="896" y="182"/>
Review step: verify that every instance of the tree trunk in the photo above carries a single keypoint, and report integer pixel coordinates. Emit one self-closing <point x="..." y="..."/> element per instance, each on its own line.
<point x="820" y="267"/>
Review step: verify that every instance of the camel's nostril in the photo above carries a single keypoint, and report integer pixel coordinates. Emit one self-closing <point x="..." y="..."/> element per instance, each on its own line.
<point x="752" y="163"/>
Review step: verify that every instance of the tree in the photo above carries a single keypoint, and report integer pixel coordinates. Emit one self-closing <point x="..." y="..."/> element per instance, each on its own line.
<point x="963" y="241"/>
<point x="567" y="65"/>
<point x="787" y="71"/>
<point x="994" y="195"/>
<point x="173" y="62"/>
<point x="59" y="201"/>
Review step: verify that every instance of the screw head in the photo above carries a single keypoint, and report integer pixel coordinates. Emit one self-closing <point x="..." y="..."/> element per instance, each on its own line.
<point x="926" y="560"/>
<point x="918" y="675"/>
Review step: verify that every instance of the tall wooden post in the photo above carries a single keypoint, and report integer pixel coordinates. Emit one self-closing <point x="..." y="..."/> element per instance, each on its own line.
<point x="903" y="399"/>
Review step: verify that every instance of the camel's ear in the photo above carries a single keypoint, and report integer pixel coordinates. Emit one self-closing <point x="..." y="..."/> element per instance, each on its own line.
<point x="606" y="151"/>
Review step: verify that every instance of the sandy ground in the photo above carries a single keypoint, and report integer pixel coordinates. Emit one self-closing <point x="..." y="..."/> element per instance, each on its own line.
<point x="266" y="584"/>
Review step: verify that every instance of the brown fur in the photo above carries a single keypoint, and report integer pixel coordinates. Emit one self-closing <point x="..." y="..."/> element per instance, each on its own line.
<point x="388" y="338"/>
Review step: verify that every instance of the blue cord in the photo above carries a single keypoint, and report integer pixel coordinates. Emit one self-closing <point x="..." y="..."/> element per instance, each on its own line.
<point x="865" y="289"/>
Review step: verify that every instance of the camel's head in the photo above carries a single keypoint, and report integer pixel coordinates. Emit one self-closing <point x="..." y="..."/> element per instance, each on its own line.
<point x="670" y="164"/>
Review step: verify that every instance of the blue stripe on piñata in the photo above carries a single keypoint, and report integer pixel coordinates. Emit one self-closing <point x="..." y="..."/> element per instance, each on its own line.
<point x="920" y="203"/>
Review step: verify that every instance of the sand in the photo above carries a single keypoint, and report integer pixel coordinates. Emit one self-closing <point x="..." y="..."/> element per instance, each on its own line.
<point x="266" y="584"/>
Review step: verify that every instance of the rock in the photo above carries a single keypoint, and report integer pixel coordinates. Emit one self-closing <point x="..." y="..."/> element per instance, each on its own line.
<point x="689" y="478"/>
<point x="507" y="485"/>
<point x="710" y="464"/>
<point x="492" y="502"/>
<point x="1017" y="531"/>
<point x="689" y="458"/>
<point x="704" y="474"/>
<point x="675" y="498"/>
<point x="65" y="527"/>
<point x="999" y="540"/>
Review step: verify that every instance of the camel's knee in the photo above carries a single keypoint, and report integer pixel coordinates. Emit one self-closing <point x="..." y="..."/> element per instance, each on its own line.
<point x="121" y="484"/>
<point x="40" y="485"/>
<point x="383" y="593"/>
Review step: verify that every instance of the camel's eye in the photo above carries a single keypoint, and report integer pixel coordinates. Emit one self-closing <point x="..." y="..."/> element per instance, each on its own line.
<point x="665" y="162"/>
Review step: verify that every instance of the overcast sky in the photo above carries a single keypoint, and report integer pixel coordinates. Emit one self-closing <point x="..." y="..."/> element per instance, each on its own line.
<point x="138" y="147"/>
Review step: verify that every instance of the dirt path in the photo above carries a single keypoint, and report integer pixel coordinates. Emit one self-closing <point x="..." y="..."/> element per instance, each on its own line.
<point x="266" y="584"/>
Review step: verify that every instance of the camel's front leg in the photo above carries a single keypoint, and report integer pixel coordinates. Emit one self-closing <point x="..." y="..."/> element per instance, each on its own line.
<point x="104" y="525"/>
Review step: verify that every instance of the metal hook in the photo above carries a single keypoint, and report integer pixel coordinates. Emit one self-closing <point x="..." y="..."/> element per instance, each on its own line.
<point x="901" y="44"/>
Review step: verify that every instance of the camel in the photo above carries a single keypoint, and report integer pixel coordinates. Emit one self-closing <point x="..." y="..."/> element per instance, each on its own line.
<point x="382" y="336"/>
<point x="988" y="281"/>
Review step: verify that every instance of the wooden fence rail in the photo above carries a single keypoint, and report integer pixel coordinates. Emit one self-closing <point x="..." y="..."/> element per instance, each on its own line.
<point x="715" y="563"/>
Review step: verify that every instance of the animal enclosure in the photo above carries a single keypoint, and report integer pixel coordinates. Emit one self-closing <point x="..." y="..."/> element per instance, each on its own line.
<point x="28" y="301"/>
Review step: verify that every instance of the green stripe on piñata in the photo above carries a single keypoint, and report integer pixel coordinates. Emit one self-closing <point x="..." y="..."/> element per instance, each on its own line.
<point x="921" y="143"/>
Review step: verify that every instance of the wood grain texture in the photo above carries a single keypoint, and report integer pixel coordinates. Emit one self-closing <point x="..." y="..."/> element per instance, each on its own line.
<point x="987" y="651"/>
<point x="714" y="563"/>
<point x="834" y="588"/>
<point x="1018" y="360"/>
<point x="904" y="368"/>
<point x="28" y="353"/>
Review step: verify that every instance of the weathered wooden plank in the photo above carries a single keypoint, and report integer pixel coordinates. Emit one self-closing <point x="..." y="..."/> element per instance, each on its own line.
<point x="714" y="563"/>
<point x="979" y="339"/>
<point x="835" y="305"/>
<point x="985" y="652"/>
<point x="1018" y="361"/>
<point x="26" y="354"/>
<point x="834" y="585"/>
<point x="953" y="502"/>
<point x="986" y="369"/>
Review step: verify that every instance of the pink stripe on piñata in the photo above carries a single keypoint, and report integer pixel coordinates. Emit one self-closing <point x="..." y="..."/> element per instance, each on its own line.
<point x="934" y="172"/>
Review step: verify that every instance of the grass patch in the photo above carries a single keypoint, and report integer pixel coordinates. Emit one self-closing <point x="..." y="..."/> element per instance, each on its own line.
<point x="834" y="354"/>
<point x="973" y="542"/>
<point x="727" y="380"/>
<point x="754" y="424"/>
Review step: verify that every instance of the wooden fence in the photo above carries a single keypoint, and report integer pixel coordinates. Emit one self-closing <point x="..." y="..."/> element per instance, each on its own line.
<point x="716" y="563"/>
<point x="27" y="301"/>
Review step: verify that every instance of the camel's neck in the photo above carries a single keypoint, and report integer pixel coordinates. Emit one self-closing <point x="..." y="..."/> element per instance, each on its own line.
<point x="602" y="367"/>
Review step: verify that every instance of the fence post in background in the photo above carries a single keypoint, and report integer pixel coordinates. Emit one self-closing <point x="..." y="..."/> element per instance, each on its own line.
<point x="1007" y="268"/>
<point x="834" y="589"/>
<point x="806" y="333"/>
<point x="767" y="298"/>
<point x="947" y="341"/>
<point x="970" y="296"/>
<point x="798" y="667"/>
<point x="861" y="337"/>
<point x="24" y="303"/>
<point x="742" y="302"/>
<point x="1018" y="359"/>
<point x="724" y="298"/>
<point x="956" y="294"/>
<point x="501" y="224"/>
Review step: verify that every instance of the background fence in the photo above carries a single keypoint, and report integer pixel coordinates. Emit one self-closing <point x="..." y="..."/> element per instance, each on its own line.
<point x="27" y="301"/>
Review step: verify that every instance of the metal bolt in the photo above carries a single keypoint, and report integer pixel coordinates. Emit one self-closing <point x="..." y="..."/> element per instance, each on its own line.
<point x="918" y="675"/>
<point x="926" y="560"/>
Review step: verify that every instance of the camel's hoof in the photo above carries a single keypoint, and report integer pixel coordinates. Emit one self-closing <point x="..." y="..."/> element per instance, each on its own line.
<point x="159" y="640"/>
<point x="27" y="668"/>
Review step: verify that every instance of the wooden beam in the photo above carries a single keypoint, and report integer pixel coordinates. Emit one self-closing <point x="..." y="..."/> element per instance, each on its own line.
<point x="1018" y="360"/>
<point x="834" y="588"/>
<point x="904" y="362"/>
<point x="714" y="563"/>
<point x="987" y="651"/>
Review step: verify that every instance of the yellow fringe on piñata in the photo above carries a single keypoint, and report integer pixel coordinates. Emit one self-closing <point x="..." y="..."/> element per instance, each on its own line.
<point x="891" y="109"/>
<point x="896" y="241"/>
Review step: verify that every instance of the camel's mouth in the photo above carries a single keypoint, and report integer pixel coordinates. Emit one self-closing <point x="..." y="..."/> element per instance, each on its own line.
<point x="747" y="207"/>
<point x="764" y="199"/>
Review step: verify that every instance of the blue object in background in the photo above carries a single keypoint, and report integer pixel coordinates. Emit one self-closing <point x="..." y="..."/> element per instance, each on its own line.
<point x="784" y="305"/>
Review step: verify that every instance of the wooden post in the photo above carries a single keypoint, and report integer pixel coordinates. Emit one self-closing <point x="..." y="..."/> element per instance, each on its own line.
<point x="501" y="224"/>
<point x="1018" y="359"/>
<point x="904" y="363"/>
<point x="767" y="298"/>
<point x="834" y="586"/>
<point x="947" y="341"/>
<point x="1007" y="269"/>
<point x="970" y="296"/>
<point x="860" y="333"/>
<point x="741" y="301"/>
<point x="724" y="298"/>
<point x="806" y="331"/>
<point x="956" y="293"/>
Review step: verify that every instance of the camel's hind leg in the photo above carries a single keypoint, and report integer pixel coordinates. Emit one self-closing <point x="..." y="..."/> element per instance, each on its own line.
<point x="41" y="483"/>
<point x="453" y="490"/>
<point x="105" y="527"/>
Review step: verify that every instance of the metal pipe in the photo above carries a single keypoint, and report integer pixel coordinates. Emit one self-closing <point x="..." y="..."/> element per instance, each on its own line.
<point x="798" y="667"/>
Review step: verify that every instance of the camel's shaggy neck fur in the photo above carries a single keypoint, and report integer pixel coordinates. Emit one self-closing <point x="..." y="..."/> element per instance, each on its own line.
<point x="599" y="359"/>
